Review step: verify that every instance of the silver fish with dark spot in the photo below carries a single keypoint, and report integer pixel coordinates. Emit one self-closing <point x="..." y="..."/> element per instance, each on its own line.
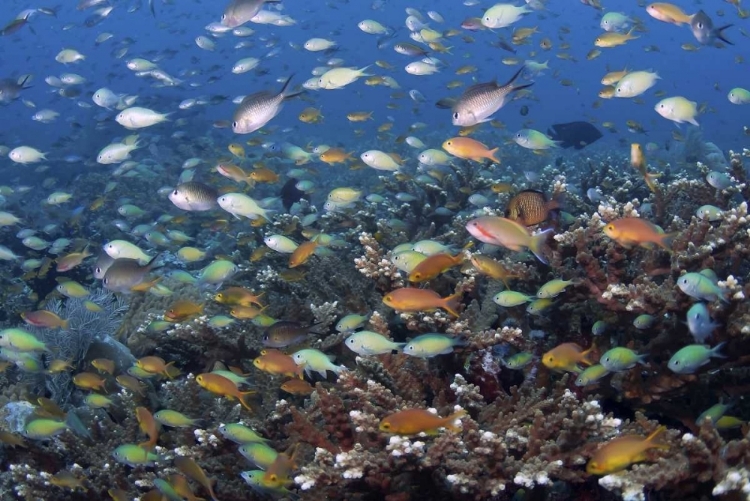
<point x="479" y="102"/>
<point x="194" y="196"/>
<point x="256" y="110"/>
<point x="285" y="333"/>
<point x="10" y="89"/>
<point x="704" y="31"/>
<point x="102" y="264"/>
<point x="124" y="274"/>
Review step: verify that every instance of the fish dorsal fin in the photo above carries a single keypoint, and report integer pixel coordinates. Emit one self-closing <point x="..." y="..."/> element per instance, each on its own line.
<point x="481" y="87"/>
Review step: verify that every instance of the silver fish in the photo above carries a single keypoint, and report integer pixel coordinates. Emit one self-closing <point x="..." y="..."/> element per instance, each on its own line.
<point x="102" y="264"/>
<point x="194" y="196"/>
<point x="239" y="12"/>
<point x="124" y="274"/>
<point x="256" y="110"/>
<point x="704" y="31"/>
<point x="10" y="89"/>
<point x="479" y="102"/>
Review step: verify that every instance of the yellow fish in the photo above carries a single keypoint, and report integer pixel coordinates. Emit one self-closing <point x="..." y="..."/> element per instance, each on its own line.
<point x="619" y="453"/>
<point x="613" y="39"/>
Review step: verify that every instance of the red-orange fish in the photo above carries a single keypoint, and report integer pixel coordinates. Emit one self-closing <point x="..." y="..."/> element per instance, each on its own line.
<point x="415" y="421"/>
<point x="410" y="299"/>
<point x="630" y="231"/>
<point x="434" y="266"/>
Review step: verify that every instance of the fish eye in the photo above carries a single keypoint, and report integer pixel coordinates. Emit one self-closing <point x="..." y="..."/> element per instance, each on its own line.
<point x="455" y="116"/>
<point x="606" y="359"/>
<point x="386" y="426"/>
<point x="234" y="124"/>
<point x="677" y="362"/>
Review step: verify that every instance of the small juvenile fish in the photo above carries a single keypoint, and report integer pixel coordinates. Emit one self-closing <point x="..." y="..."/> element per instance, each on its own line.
<point x="240" y="434"/>
<point x="134" y="455"/>
<point x="591" y="375"/>
<point x="371" y="343"/>
<point x="566" y="357"/>
<point x="285" y="333"/>
<point x="432" y="344"/>
<point x="297" y="387"/>
<point x="621" y="359"/>
<point x="690" y="358"/>
<point x="175" y="419"/>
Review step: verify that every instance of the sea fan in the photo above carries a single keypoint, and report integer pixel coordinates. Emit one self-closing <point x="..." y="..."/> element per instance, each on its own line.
<point x="72" y="344"/>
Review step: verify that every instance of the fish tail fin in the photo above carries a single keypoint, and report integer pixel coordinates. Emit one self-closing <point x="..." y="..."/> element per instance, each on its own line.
<point x="166" y="369"/>
<point x="509" y="83"/>
<point x="715" y="350"/>
<point x="242" y="396"/>
<point x="720" y="35"/>
<point x="491" y="155"/>
<point x="452" y="302"/>
<point x="667" y="240"/>
<point x="654" y="435"/>
<point x="291" y="94"/>
<point x="450" y="420"/>
<point x="537" y="242"/>
<point x="585" y="355"/>
<point x="148" y="445"/>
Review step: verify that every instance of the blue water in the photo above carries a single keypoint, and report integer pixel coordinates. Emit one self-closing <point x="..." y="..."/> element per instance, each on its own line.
<point x="704" y="76"/>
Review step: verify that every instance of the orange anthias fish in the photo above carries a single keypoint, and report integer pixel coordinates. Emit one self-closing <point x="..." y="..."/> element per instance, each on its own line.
<point x="410" y="299"/>
<point x="278" y="473"/>
<point x="182" y="310"/>
<point x="148" y="426"/>
<point x="507" y="233"/>
<point x="155" y="365"/>
<point x="434" y="266"/>
<point x="335" y="156"/>
<point x="302" y="253"/>
<point x="239" y="296"/>
<point x="630" y="231"/>
<point x="189" y="467"/>
<point x="264" y="175"/>
<point x="70" y="261"/>
<point x="297" y="387"/>
<point x="89" y="381"/>
<point x="566" y="357"/>
<point x="471" y="149"/>
<point x="668" y="13"/>
<point x="44" y="318"/>
<point x="492" y="268"/>
<point x="638" y="162"/>
<point x="224" y="387"/>
<point x="530" y="207"/>
<point x="245" y="312"/>
<point x="233" y="172"/>
<point x="621" y="452"/>
<point x="278" y="363"/>
<point x="415" y="421"/>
